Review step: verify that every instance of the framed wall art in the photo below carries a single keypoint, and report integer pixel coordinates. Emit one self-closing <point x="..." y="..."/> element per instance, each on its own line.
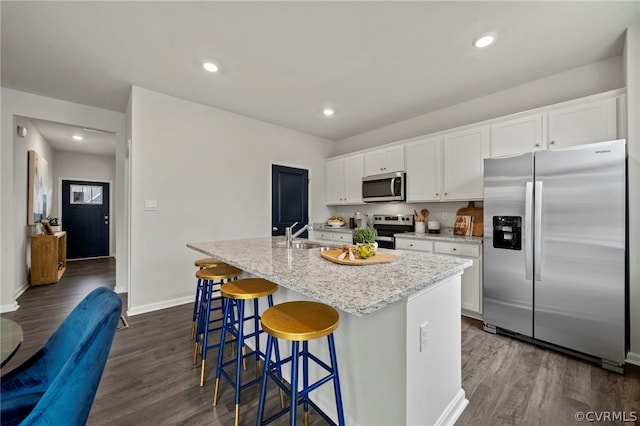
<point x="39" y="189"/>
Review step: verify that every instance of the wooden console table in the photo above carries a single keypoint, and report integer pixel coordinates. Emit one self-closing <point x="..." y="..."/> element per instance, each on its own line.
<point x="48" y="258"/>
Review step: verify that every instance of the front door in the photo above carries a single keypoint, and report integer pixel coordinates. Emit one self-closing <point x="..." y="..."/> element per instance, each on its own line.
<point x="289" y="198"/>
<point x="85" y="218"/>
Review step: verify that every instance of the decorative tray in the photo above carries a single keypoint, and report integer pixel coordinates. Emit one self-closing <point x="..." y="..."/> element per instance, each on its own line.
<point x="379" y="257"/>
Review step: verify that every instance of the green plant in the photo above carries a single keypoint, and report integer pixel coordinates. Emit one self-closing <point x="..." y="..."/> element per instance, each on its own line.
<point x="53" y="221"/>
<point x="365" y="235"/>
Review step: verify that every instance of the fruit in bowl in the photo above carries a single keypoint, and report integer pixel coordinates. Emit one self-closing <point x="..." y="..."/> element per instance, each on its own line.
<point x="335" y="221"/>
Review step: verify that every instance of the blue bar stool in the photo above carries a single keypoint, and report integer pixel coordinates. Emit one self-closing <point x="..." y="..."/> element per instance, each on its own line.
<point x="300" y="322"/>
<point x="235" y="294"/>
<point x="208" y="262"/>
<point x="212" y="278"/>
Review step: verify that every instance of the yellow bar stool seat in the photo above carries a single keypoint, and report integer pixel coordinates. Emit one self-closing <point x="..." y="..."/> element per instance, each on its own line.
<point x="210" y="301"/>
<point x="235" y="294"/>
<point x="207" y="262"/>
<point x="300" y="322"/>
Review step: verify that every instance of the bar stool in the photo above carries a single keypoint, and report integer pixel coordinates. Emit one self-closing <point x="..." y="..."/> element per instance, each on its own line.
<point x="211" y="278"/>
<point x="207" y="262"/>
<point x="235" y="294"/>
<point x="300" y="322"/>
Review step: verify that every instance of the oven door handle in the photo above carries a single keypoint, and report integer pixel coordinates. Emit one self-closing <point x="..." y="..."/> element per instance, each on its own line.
<point x="382" y="238"/>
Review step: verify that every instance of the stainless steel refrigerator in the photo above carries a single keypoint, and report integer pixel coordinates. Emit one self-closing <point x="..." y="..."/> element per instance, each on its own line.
<point x="555" y="250"/>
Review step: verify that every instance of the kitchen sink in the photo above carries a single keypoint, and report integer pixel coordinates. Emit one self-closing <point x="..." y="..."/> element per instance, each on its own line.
<point x="303" y="245"/>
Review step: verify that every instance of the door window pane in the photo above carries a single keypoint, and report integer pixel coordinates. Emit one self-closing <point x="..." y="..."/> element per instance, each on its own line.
<point x="86" y="194"/>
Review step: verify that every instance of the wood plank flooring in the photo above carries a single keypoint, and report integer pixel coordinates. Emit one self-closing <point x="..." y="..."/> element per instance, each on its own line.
<point x="150" y="379"/>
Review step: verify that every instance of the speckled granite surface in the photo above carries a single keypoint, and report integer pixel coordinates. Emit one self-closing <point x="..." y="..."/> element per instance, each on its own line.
<point x="443" y="236"/>
<point x="358" y="290"/>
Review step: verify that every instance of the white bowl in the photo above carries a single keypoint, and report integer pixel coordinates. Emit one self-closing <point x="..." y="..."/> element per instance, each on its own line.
<point x="335" y="223"/>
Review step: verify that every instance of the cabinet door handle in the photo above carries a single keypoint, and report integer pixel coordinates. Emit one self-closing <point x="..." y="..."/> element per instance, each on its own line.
<point x="446" y="193"/>
<point x="453" y="249"/>
<point x="552" y="142"/>
<point x="537" y="144"/>
<point x="437" y="194"/>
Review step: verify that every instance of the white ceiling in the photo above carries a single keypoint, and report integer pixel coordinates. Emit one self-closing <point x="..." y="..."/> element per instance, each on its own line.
<point x="60" y="137"/>
<point x="376" y="63"/>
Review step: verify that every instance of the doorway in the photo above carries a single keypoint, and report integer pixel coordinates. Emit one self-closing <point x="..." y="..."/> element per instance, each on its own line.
<point x="85" y="218"/>
<point x="289" y="198"/>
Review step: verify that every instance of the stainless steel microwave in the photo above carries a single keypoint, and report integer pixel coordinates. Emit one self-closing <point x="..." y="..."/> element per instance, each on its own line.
<point x="385" y="187"/>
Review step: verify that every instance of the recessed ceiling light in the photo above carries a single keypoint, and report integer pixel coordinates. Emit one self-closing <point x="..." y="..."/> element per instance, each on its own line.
<point x="484" y="40"/>
<point x="77" y="138"/>
<point x="328" y="112"/>
<point x="210" y="66"/>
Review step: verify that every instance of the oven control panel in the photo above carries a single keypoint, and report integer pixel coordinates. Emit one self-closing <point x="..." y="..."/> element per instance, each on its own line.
<point x="398" y="219"/>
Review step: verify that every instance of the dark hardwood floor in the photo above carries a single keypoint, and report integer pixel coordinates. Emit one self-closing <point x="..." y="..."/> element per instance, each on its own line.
<point x="150" y="379"/>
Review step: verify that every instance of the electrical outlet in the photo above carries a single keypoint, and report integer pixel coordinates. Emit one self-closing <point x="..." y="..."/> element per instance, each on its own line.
<point x="424" y="336"/>
<point x="444" y="215"/>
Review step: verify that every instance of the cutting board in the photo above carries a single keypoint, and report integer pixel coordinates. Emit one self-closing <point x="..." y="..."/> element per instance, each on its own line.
<point x="379" y="257"/>
<point x="477" y="214"/>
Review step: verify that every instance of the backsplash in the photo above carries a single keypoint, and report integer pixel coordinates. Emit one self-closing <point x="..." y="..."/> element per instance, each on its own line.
<point x="443" y="212"/>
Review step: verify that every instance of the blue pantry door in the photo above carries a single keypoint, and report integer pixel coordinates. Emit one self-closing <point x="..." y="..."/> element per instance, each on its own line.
<point x="289" y="198"/>
<point x="85" y="218"/>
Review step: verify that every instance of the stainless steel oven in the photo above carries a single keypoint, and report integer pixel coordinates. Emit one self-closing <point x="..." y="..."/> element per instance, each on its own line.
<point x="388" y="225"/>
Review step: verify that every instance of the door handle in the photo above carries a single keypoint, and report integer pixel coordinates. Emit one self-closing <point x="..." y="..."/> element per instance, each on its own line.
<point x="106" y="219"/>
<point x="528" y="234"/>
<point x="537" y="244"/>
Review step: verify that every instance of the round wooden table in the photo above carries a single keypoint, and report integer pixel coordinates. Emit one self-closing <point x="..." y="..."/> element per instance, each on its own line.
<point x="11" y="333"/>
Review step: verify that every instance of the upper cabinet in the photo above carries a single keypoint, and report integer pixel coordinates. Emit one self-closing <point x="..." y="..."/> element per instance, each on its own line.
<point x="344" y="180"/>
<point x="575" y="123"/>
<point x="586" y="122"/>
<point x="449" y="165"/>
<point x="385" y="160"/>
<point x="524" y="134"/>
<point x="464" y="152"/>
<point x="424" y="169"/>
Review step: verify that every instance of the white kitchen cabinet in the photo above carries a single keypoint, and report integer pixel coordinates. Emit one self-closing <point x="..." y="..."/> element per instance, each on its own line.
<point x="583" y="123"/>
<point x="344" y="180"/>
<point x="464" y="152"/>
<point x="385" y="160"/>
<point x="337" y="236"/>
<point x="472" y="277"/>
<point x="519" y="135"/>
<point x="414" y="244"/>
<point x="424" y="169"/>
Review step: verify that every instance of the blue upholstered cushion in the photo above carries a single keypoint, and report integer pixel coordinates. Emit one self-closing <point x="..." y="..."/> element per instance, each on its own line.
<point x="57" y="385"/>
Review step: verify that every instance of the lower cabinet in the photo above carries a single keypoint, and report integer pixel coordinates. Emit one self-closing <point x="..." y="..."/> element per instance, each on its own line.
<point x="345" y="237"/>
<point x="472" y="277"/>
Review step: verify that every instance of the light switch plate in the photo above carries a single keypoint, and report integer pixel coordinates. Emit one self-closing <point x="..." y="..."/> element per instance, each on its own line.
<point x="151" y="205"/>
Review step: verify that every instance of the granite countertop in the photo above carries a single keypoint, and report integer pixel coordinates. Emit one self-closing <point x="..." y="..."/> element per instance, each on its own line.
<point x="446" y="234"/>
<point x="358" y="290"/>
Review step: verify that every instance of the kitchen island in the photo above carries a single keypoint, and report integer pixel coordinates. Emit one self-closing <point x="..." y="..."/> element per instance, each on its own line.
<point x="398" y="342"/>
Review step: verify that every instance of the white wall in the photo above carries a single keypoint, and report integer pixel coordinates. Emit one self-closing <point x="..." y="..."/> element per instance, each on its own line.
<point x="587" y="80"/>
<point x="16" y="103"/>
<point x="23" y="232"/>
<point x="79" y="166"/>
<point x="632" y="75"/>
<point x="210" y="172"/>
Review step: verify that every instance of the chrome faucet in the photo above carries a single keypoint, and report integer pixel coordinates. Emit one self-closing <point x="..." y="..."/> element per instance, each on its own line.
<point x="289" y="229"/>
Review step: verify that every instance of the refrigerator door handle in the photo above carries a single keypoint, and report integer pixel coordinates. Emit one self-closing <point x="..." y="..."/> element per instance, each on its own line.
<point x="537" y="244"/>
<point x="528" y="230"/>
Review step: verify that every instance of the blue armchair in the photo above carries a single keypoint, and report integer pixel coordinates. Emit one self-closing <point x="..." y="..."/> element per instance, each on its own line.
<point x="58" y="383"/>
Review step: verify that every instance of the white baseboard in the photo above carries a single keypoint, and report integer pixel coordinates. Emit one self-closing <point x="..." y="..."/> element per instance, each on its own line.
<point x="122" y="289"/>
<point x="455" y="408"/>
<point x="633" y="358"/>
<point x="9" y="308"/>
<point x="143" y="309"/>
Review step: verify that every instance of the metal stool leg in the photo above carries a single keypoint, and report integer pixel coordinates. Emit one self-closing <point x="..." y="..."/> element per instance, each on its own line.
<point x="336" y="379"/>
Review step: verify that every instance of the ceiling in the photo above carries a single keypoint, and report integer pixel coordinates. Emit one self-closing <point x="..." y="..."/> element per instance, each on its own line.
<point x="375" y="63"/>
<point x="60" y="137"/>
